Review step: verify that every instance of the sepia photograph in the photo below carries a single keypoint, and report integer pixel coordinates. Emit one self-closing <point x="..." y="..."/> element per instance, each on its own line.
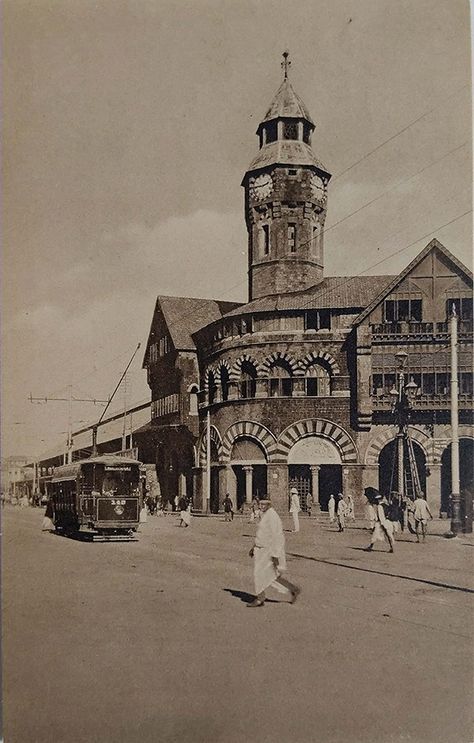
<point x="237" y="372"/>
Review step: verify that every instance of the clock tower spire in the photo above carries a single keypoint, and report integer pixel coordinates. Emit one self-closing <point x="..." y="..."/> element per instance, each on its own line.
<point x="285" y="199"/>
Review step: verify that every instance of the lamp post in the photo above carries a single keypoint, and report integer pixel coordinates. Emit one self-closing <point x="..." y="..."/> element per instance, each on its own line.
<point x="456" y="522"/>
<point x="402" y="395"/>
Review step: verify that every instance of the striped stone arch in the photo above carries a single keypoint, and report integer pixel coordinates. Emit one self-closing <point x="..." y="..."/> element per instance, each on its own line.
<point x="209" y="370"/>
<point x="317" y="427"/>
<point x="389" y="434"/>
<point x="316" y="356"/>
<point x="264" y="369"/>
<point x="216" y="438"/>
<point x="251" y="430"/>
<point x="235" y="371"/>
<point x="220" y="364"/>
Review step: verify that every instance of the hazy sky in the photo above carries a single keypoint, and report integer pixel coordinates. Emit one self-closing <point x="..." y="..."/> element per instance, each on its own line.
<point x="128" y="128"/>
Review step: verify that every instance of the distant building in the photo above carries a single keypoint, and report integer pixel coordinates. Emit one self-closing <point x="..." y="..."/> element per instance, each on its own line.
<point x="16" y="477"/>
<point x="297" y="381"/>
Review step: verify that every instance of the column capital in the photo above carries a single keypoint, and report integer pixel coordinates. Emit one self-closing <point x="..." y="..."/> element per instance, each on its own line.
<point x="314" y="468"/>
<point x="247" y="468"/>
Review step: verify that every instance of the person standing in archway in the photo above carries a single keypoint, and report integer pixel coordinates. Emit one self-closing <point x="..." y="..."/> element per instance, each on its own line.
<point x="269" y="556"/>
<point x="341" y="512"/>
<point x="331" y="508"/>
<point x="295" y="509"/>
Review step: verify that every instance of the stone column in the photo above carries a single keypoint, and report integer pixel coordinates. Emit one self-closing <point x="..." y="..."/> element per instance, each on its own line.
<point x="315" y="483"/>
<point x="233" y="391"/>
<point x="299" y="387"/>
<point x="277" y="487"/>
<point x="433" y="489"/>
<point x="248" y="469"/>
<point x="261" y="388"/>
<point x="182" y="484"/>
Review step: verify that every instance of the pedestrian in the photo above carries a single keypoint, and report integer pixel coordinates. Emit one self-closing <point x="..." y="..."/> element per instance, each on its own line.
<point x="370" y="514"/>
<point x="269" y="556"/>
<point x="254" y="509"/>
<point x="331" y="508"/>
<point x="341" y="512"/>
<point x="143" y="513"/>
<point x="48" y="524"/>
<point x="184" y="515"/>
<point x="228" y="508"/>
<point x="309" y="504"/>
<point x="421" y="513"/>
<point x="295" y="509"/>
<point x="383" y="528"/>
<point x="350" y="507"/>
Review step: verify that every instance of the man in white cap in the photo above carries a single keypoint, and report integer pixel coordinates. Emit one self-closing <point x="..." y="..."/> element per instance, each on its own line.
<point x="269" y="556"/>
<point x="295" y="508"/>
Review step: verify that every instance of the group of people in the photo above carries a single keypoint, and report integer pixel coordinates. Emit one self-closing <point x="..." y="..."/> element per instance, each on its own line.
<point x="342" y="508"/>
<point x="388" y="517"/>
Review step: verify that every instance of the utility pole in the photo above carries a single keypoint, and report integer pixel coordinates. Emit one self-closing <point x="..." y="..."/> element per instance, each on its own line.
<point x="67" y="457"/>
<point x="456" y="523"/>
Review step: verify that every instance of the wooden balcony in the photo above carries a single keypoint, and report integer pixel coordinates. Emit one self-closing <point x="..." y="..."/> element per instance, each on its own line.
<point x="418" y="330"/>
<point x="425" y="402"/>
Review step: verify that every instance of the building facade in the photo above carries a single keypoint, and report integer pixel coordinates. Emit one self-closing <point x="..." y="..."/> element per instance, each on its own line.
<point x="293" y="388"/>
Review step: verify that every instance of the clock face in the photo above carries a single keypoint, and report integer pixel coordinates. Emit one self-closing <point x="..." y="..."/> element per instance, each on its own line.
<point x="318" y="189"/>
<point x="260" y="187"/>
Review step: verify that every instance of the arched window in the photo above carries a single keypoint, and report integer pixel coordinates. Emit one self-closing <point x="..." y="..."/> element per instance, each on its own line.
<point x="317" y="381"/>
<point x="211" y="387"/>
<point x="281" y="382"/>
<point x="248" y="380"/>
<point x="224" y="383"/>
<point x="193" y="399"/>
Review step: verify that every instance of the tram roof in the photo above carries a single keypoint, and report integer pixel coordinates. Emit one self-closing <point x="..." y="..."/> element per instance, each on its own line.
<point x="69" y="471"/>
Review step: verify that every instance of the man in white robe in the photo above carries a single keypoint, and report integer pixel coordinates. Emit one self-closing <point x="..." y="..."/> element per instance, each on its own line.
<point x="269" y="557"/>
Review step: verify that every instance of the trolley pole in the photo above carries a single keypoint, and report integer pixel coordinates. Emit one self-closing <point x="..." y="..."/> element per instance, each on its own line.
<point x="208" y="460"/>
<point x="456" y="524"/>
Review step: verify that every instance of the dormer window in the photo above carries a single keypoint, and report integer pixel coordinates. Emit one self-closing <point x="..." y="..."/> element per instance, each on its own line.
<point x="290" y="130"/>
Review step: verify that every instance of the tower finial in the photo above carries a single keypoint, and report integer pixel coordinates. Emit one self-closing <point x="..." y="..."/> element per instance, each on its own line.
<point x="286" y="63"/>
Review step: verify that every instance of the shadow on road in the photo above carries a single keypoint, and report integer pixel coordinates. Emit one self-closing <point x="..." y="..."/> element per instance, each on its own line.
<point x="381" y="572"/>
<point x="246" y="597"/>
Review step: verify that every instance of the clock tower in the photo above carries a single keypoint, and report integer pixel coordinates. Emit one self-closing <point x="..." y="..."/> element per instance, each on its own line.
<point x="285" y="199"/>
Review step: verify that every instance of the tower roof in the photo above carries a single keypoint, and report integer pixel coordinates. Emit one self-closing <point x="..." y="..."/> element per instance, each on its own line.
<point x="287" y="104"/>
<point x="285" y="152"/>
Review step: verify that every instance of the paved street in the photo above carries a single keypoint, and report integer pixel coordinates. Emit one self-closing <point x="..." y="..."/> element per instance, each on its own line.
<point x="152" y="640"/>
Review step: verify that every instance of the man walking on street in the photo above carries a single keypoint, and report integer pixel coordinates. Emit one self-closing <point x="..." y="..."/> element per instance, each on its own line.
<point x="228" y="508"/>
<point x="269" y="556"/>
<point x="295" y="508"/>
<point x="341" y="512"/>
<point x="421" y="513"/>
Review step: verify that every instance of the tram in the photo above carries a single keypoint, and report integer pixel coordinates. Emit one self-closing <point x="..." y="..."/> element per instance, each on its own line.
<point x="100" y="495"/>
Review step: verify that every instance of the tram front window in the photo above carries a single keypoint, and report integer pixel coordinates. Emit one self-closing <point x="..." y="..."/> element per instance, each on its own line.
<point x="119" y="481"/>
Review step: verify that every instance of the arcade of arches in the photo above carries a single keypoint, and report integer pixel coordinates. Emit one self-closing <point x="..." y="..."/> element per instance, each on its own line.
<point x="314" y="466"/>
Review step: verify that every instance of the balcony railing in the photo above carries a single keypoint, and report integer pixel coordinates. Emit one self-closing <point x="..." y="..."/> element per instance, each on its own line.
<point x="419" y="329"/>
<point x="426" y="402"/>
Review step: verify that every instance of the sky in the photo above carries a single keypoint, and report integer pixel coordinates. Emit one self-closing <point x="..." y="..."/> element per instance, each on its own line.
<point x="129" y="125"/>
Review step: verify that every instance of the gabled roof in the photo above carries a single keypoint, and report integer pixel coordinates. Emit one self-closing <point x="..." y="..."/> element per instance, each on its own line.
<point x="287" y="104"/>
<point x="185" y="315"/>
<point x="433" y="245"/>
<point x="336" y="292"/>
<point x="286" y="152"/>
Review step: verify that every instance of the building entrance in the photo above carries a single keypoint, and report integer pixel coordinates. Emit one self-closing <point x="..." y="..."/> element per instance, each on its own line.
<point x="251" y="480"/>
<point x="315" y="467"/>
<point x="329" y="481"/>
